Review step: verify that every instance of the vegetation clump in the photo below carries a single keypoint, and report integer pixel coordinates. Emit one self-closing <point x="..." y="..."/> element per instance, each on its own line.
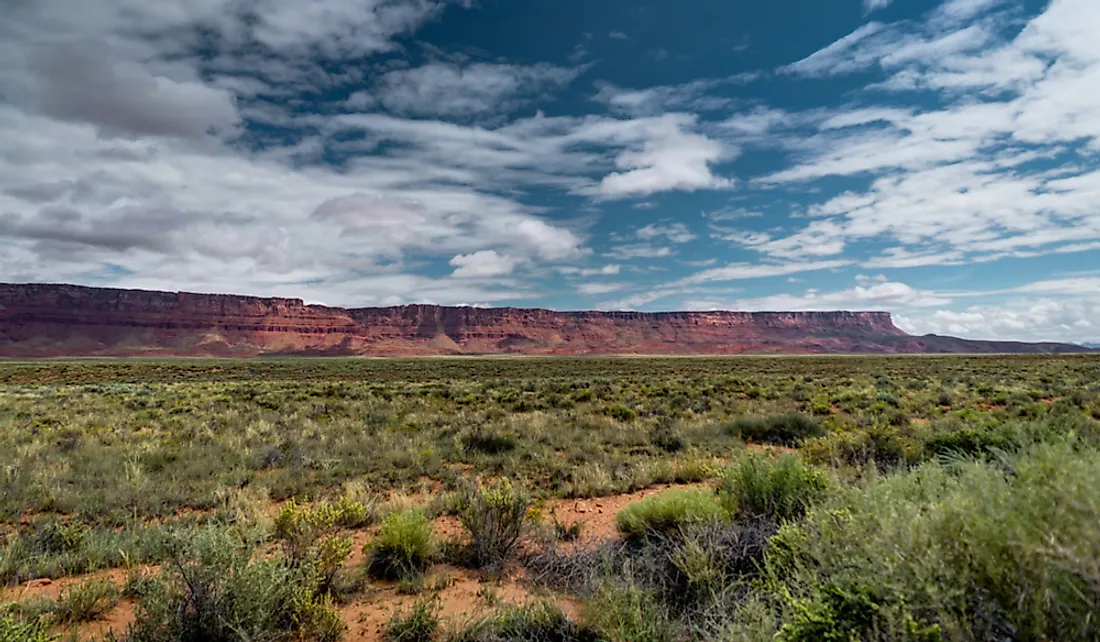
<point x="669" y="512"/>
<point x="404" y="546"/>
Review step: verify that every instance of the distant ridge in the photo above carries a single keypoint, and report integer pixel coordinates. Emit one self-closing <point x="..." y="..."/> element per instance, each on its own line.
<point x="55" y="320"/>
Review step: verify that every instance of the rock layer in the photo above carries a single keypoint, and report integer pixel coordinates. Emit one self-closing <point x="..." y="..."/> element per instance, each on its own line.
<point x="47" y="320"/>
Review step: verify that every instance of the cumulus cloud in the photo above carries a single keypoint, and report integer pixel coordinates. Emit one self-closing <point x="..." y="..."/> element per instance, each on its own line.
<point x="1019" y="319"/>
<point x="83" y="82"/>
<point x="669" y="158"/>
<point x="483" y="264"/>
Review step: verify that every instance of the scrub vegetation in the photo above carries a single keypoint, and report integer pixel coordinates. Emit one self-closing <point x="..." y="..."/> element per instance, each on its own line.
<point x="808" y="498"/>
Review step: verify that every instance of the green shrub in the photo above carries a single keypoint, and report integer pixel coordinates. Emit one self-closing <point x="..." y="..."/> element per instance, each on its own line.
<point x="310" y="540"/>
<point x="418" y="624"/>
<point x="538" y="622"/>
<point x="627" y="613"/>
<point x="33" y="630"/>
<point x="843" y="615"/>
<point x="668" y="439"/>
<point x="405" y="546"/>
<point x="621" y="412"/>
<point x="757" y="487"/>
<point x="495" y="519"/>
<point x="217" y="590"/>
<point x="86" y="602"/>
<point x="490" y="441"/>
<point x="669" y="512"/>
<point x="786" y="430"/>
<point x="981" y="549"/>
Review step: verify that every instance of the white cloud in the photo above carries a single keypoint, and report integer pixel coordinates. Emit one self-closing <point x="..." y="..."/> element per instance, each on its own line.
<point x="607" y="270"/>
<point x="599" y="288"/>
<point x="741" y="271"/>
<point x="635" y="301"/>
<point x="674" y="232"/>
<point x="640" y="251"/>
<point x="695" y="96"/>
<point x="668" y="158"/>
<point x="1019" y="319"/>
<point x="875" y="295"/>
<point x="981" y="176"/>
<point x="482" y="264"/>
<point x="845" y="55"/>
<point x="445" y="89"/>
<point x="875" y="5"/>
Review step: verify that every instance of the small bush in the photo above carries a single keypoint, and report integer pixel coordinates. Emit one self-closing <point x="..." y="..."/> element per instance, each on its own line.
<point x="840" y="615"/>
<point x="495" y="519"/>
<point x="628" y="613"/>
<point x="539" y="622"/>
<point x="418" y="624"/>
<point x="771" y="489"/>
<point x="668" y="439"/>
<point x="669" y="512"/>
<point x="405" y="546"/>
<point x="786" y="430"/>
<point x="215" y="591"/>
<point x="621" y="412"/>
<point x="489" y="441"/>
<point x="86" y="602"/>
<point x="310" y="541"/>
<point x="33" y="630"/>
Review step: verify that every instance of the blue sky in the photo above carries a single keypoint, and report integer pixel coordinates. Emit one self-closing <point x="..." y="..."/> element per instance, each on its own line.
<point x="936" y="160"/>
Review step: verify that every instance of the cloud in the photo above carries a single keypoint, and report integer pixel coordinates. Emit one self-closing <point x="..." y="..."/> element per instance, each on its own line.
<point x="446" y="89"/>
<point x="875" y="5"/>
<point x="607" y="270"/>
<point x="741" y="271"/>
<point x="83" y="82"/>
<point x="674" y="232"/>
<point x="875" y="295"/>
<point x="695" y="96"/>
<point x="669" y="158"/>
<point x="983" y="172"/>
<point x="618" y="35"/>
<point x="635" y="301"/>
<point x="599" y="288"/>
<point x="640" y="251"/>
<point x="1020" y="319"/>
<point x="483" y="264"/>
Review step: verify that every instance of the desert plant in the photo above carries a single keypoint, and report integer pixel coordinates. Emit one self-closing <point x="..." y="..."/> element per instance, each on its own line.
<point x="790" y="429"/>
<point x="13" y="629"/>
<point x="418" y="624"/>
<point x="757" y="487"/>
<point x="538" y="622"/>
<point x="214" y="591"/>
<point x="404" y="546"/>
<point x="495" y="519"/>
<point x="669" y="512"/>
<point x="86" y="602"/>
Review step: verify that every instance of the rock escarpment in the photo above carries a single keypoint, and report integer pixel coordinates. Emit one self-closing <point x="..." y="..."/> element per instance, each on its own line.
<point x="47" y="320"/>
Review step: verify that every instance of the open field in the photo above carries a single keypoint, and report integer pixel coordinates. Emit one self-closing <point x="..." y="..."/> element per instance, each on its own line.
<point x="808" y="498"/>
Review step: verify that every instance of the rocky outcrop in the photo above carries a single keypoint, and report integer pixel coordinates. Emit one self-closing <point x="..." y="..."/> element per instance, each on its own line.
<point x="46" y="320"/>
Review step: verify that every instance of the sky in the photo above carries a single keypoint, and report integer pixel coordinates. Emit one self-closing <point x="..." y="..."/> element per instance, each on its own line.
<point x="937" y="160"/>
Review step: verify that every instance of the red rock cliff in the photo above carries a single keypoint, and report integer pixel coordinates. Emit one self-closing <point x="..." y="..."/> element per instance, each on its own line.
<point x="39" y="320"/>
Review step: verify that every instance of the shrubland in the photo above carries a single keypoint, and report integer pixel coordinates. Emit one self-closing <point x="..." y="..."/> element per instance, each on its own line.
<point x="843" y="498"/>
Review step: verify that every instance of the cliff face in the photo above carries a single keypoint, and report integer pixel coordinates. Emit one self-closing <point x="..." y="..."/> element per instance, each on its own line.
<point x="40" y="320"/>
